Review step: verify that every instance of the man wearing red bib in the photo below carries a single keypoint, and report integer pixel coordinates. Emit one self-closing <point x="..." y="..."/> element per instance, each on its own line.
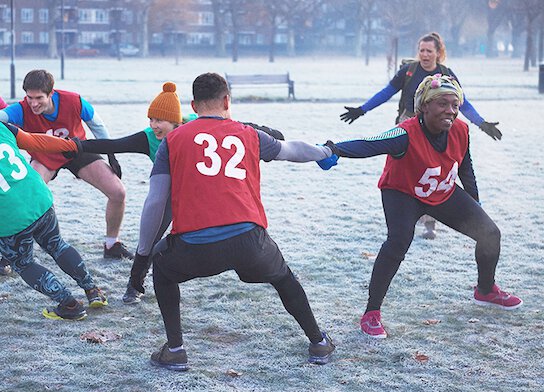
<point x="61" y="113"/>
<point x="210" y="167"/>
<point x="425" y="156"/>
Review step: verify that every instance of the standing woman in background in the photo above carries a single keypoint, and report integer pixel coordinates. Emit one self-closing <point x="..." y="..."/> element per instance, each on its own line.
<point x="431" y="55"/>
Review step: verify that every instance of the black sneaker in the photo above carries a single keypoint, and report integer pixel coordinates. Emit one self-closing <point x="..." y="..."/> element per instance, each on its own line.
<point x="96" y="298"/>
<point x="132" y="296"/>
<point x="118" y="251"/>
<point x="5" y="268"/>
<point x="320" y="353"/>
<point x="63" y="312"/>
<point x="172" y="361"/>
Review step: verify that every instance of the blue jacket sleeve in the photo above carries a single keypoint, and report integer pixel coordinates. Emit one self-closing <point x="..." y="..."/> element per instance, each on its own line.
<point x="469" y="112"/>
<point x="393" y="142"/>
<point x="380" y="97"/>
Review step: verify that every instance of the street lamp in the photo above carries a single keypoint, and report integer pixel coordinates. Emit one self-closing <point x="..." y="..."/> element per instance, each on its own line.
<point x="12" y="65"/>
<point x="62" y="39"/>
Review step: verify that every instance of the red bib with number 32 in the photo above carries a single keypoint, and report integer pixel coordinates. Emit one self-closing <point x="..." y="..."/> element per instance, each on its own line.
<point x="67" y="124"/>
<point x="423" y="172"/>
<point x="214" y="167"/>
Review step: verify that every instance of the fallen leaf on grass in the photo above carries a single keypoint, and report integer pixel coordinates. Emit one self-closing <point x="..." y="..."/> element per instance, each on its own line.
<point x="233" y="373"/>
<point x="474" y="320"/>
<point x="4" y="297"/>
<point x="368" y="255"/>
<point x="99" y="336"/>
<point x="431" y="322"/>
<point x="421" y="358"/>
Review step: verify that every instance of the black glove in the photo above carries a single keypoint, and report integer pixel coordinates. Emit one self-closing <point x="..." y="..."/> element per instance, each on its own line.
<point x="491" y="129"/>
<point x="115" y="165"/>
<point x="139" y="269"/>
<point x="74" y="154"/>
<point x="333" y="148"/>
<point x="272" y="132"/>
<point x="352" y="114"/>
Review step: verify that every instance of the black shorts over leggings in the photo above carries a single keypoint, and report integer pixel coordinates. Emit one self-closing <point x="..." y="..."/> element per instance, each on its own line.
<point x="253" y="255"/>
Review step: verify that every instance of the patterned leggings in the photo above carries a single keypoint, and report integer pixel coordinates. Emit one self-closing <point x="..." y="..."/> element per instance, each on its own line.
<point x="18" y="249"/>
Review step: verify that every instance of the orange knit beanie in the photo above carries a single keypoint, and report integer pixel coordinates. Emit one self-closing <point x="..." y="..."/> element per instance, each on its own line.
<point x="166" y="105"/>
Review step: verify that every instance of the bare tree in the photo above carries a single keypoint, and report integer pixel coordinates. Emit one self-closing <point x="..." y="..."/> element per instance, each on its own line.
<point x="365" y="17"/>
<point x="54" y="12"/>
<point x="297" y="15"/>
<point x="456" y="13"/>
<point x="497" y="11"/>
<point x="219" y="8"/>
<point x="533" y="10"/>
<point x="273" y="15"/>
<point x="144" y="6"/>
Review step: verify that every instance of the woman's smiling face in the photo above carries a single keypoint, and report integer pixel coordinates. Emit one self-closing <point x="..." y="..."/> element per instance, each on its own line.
<point x="161" y="128"/>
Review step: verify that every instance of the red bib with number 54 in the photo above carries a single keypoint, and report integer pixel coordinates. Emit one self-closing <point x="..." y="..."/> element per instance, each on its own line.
<point x="214" y="166"/>
<point x="423" y="172"/>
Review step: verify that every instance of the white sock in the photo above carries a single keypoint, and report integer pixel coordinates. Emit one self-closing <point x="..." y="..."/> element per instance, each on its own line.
<point x="110" y="241"/>
<point x="175" y="349"/>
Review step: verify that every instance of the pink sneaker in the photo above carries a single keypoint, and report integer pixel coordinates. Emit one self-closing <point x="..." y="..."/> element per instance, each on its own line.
<point x="497" y="298"/>
<point x="372" y="326"/>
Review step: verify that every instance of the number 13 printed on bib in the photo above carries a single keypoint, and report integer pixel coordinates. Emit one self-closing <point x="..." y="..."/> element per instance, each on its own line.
<point x="16" y="169"/>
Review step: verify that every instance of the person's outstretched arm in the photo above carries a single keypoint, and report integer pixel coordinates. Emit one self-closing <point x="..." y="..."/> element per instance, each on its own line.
<point x="136" y="143"/>
<point x="156" y="201"/>
<point x="393" y="142"/>
<point x="40" y="142"/>
<point x="382" y="96"/>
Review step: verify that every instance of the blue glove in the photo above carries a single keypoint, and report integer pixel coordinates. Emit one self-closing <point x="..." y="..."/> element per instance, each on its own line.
<point x="329" y="162"/>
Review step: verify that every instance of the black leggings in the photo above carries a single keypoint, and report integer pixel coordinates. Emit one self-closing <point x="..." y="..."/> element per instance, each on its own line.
<point x="253" y="255"/>
<point x="460" y="212"/>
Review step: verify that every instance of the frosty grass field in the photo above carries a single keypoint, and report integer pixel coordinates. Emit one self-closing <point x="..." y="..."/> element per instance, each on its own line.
<point x="329" y="226"/>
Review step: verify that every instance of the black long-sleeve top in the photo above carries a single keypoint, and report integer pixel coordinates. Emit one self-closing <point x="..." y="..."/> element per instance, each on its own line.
<point x="395" y="143"/>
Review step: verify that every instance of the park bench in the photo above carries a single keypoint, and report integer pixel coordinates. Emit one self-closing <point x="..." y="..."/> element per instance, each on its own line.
<point x="259" y="79"/>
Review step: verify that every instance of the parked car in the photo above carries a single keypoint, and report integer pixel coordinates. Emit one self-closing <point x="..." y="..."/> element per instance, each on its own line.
<point x="82" y="51"/>
<point x="126" y="50"/>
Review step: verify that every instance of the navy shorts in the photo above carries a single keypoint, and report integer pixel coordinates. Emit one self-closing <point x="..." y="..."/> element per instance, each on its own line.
<point x="253" y="255"/>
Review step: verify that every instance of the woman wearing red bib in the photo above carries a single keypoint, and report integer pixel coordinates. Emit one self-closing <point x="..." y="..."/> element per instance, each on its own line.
<point x="426" y="154"/>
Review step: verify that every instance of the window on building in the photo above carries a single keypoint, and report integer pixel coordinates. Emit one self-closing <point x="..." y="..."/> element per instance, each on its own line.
<point x="27" y="15"/>
<point x="85" y="15"/>
<point x="200" y="39"/>
<point x="7" y="15"/>
<point x="128" y="17"/>
<point x="205" y="18"/>
<point x="281" y="39"/>
<point x="101" y="16"/>
<point x="94" y="37"/>
<point x="44" y="37"/>
<point x="244" y="39"/>
<point x="27" y="37"/>
<point x="43" y="15"/>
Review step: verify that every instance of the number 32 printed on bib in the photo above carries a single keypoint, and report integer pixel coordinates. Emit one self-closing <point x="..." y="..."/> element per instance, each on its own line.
<point x="429" y="181"/>
<point x="229" y="142"/>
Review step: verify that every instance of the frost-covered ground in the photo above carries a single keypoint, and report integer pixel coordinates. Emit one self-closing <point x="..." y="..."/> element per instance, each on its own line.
<point x="329" y="226"/>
